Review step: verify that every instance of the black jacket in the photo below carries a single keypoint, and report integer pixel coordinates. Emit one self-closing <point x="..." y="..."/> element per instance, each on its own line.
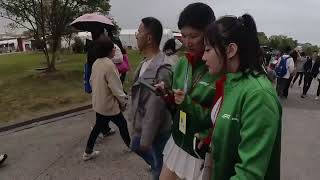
<point x="91" y="52"/>
<point x="315" y="69"/>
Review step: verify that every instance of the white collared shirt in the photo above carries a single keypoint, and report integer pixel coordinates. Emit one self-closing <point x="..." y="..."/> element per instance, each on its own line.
<point x="144" y="66"/>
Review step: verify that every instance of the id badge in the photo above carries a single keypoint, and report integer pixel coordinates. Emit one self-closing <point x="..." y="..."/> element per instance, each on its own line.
<point x="183" y="122"/>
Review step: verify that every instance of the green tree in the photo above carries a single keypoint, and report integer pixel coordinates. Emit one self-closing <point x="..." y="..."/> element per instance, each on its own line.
<point x="308" y="48"/>
<point x="263" y="39"/>
<point x="78" y="46"/>
<point x="48" y="19"/>
<point x="281" y="42"/>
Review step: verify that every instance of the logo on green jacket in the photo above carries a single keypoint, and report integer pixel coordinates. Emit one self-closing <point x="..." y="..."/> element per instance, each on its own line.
<point x="228" y="116"/>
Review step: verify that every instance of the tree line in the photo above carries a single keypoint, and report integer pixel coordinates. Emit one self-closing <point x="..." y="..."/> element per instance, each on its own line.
<point x="281" y="42"/>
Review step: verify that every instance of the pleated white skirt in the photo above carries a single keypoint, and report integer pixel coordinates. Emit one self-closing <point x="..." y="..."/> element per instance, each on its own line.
<point x="183" y="164"/>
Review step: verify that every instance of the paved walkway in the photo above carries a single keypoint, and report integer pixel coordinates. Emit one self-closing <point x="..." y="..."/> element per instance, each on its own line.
<point x="52" y="150"/>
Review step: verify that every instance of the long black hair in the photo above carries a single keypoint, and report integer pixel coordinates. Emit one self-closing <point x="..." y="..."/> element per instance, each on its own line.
<point x="243" y="32"/>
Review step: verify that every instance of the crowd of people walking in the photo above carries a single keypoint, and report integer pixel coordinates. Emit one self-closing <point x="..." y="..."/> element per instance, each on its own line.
<point x="210" y="114"/>
<point x="291" y="65"/>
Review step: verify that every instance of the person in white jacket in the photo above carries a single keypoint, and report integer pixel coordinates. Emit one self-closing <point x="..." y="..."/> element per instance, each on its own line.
<point x="284" y="81"/>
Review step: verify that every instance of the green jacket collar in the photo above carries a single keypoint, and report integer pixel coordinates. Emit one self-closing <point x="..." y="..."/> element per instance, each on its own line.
<point x="233" y="79"/>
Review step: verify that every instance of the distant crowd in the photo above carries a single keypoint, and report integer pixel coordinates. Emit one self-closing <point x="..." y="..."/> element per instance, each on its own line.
<point x="286" y="68"/>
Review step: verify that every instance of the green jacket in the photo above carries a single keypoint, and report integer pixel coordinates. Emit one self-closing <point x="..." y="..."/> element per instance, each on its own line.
<point x="246" y="142"/>
<point x="197" y="103"/>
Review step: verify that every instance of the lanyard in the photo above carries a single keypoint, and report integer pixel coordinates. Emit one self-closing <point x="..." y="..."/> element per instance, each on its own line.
<point x="194" y="82"/>
<point x="186" y="79"/>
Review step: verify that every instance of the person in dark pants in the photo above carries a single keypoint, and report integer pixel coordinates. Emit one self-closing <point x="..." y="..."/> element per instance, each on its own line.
<point x="294" y="55"/>
<point x="301" y="60"/>
<point x="283" y="82"/>
<point x="91" y="58"/>
<point x="311" y="69"/>
<point x="108" y="98"/>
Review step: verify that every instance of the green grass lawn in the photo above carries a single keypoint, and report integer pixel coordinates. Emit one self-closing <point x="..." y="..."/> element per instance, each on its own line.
<point x="26" y="93"/>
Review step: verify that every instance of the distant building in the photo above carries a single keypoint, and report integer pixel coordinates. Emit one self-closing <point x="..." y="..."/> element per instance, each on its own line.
<point x="128" y="37"/>
<point x="14" y="43"/>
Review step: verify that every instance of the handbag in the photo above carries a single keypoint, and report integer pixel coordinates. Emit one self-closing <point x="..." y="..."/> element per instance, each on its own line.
<point x="124" y="66"/>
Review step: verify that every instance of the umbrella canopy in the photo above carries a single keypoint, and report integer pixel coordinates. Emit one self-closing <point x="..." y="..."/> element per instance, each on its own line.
<point x="92" y="22"/>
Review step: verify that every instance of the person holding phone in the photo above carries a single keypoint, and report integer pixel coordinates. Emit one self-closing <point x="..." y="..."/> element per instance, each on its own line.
<point x="193" y="93"/>
<point x="246" y="116"/>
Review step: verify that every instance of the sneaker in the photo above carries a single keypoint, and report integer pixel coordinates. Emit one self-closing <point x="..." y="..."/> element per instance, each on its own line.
<point x="317" y="98"/>
<point x="302" y="96"/>
<point x="3" y="157"/>
<point x="93" y="155"/>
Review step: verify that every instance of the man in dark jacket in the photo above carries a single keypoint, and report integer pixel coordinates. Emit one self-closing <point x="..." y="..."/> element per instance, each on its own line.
<point x="311" y="70"/>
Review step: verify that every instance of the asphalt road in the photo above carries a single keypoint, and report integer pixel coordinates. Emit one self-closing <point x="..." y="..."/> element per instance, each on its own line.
<point x="52" y="149"/>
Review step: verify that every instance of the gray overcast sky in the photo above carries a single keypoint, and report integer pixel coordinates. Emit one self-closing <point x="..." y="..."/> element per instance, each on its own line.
<point x="295" y="18"/>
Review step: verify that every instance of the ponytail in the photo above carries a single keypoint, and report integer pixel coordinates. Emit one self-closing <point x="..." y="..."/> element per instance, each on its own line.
<point x="251" y="35"/>
<point x="249" y="23"/>
<point x="243" y="32"/>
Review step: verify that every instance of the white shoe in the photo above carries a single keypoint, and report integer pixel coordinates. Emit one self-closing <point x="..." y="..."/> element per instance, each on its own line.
<point x="93" y="155"/>
<point x="3" y="157"/>
<point x="317" y="98"/>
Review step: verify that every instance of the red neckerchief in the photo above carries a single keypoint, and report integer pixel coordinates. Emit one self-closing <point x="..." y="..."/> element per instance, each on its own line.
<point x="193" y="58"/>
<point x="219" y="94"/>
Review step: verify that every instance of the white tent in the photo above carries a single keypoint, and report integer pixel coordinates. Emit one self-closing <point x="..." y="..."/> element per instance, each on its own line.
<point x="128" y="37"/>
<point x="82" y="35"/>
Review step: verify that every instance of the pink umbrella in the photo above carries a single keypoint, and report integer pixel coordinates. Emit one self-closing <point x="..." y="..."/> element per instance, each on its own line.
<point x="92" y="22"/>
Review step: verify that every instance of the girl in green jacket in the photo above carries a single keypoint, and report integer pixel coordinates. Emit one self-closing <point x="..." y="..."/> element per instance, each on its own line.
<point x="191" y="80"/>
<point x="246" y="116"/>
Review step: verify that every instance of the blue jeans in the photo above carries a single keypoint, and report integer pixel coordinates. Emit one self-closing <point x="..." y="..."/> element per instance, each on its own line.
<point x="154" y="157"/>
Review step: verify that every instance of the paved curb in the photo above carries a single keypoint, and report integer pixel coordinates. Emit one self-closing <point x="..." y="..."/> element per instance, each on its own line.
<point x="44" y="118"/>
